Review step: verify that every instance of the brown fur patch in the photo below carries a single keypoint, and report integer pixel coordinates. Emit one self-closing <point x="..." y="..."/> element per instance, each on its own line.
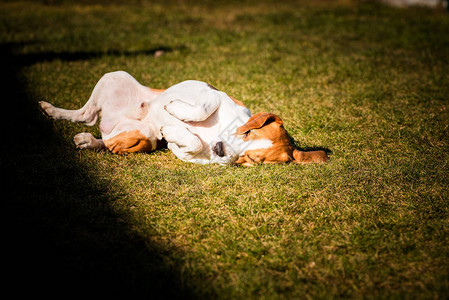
<point x="157" y="91"/>
<point x="310" y="156"/>
<point x="128" y="142"/>
<point x="257" y="121"/>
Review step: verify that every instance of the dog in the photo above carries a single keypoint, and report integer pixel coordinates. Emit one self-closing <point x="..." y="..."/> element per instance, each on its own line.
<point x="198" y="123"/>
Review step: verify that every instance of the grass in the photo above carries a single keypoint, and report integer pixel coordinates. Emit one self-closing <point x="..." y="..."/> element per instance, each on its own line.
<point x="366" y="81"/>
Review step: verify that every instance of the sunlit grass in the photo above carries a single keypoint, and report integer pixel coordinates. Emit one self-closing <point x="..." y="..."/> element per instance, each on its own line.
<point x="367" y="82"/>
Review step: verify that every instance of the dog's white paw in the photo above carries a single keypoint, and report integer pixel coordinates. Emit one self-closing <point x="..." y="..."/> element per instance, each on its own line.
<point x="180" y="110"/>
<point x="166" y="131"/>
<point x="171" y="107"/>
<point x="47" y="109"/>
<point x="85" y="140"/>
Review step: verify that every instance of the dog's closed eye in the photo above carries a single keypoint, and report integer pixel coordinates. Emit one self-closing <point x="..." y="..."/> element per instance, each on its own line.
<point x="244" y="134"/>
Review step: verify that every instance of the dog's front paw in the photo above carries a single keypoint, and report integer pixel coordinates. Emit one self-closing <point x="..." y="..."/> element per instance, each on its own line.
<point x="167" y="106"/>
<point x="170" y="107"/>
<point x="180" y="110"/>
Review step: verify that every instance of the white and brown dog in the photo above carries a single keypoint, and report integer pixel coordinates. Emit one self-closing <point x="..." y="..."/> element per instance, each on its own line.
<point x="199" y="123"/>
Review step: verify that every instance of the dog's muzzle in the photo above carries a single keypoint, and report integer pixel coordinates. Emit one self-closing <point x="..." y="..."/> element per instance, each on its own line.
<point x="218" y="149"/>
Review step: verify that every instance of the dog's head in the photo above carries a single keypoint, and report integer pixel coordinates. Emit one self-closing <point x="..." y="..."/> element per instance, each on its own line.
<point x="268" y="142"/>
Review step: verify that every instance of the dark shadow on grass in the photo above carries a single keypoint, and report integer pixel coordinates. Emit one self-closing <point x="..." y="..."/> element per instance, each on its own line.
<point x="31" y="58"/>
<point x="61" y="237"/>
<point x="307" y="149"/>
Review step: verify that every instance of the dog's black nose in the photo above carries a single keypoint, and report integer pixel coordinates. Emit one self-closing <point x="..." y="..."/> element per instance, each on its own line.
<point x="218" y="149"/>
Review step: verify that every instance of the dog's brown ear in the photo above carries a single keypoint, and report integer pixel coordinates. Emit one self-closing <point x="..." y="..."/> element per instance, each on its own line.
<point x="258" y="121"/>
<point x="310" y="156"/>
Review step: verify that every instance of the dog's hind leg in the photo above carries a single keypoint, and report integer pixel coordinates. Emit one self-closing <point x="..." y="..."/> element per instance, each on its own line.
<point x="88" y="114"/>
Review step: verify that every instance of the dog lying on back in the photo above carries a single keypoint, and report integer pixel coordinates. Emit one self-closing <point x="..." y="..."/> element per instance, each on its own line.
<point x="199" y="124"/>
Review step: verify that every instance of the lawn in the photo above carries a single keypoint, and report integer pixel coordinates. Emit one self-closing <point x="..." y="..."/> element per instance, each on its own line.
<point x="367" y="82"/>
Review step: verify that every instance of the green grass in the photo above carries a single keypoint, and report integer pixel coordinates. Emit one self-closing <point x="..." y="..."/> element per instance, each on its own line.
<point x="368" y="82"/>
